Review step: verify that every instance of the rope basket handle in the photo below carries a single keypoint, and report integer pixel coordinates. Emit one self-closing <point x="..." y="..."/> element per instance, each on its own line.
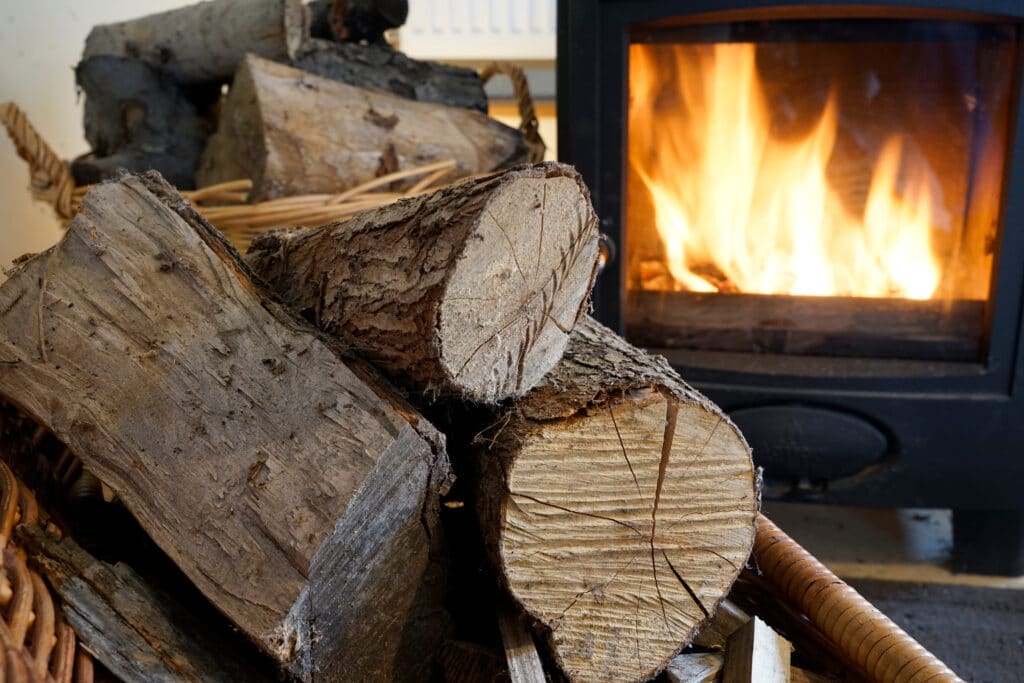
<point x="50" y="179"/>
<point x="529" y="126"/>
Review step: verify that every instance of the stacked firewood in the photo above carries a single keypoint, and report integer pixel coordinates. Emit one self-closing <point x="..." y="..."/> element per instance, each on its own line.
<point x="316" y="100"/>
<point x="379" y="449"/>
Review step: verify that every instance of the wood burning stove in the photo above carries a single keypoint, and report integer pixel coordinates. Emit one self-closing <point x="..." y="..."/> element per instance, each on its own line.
<point x="816" y="212"/>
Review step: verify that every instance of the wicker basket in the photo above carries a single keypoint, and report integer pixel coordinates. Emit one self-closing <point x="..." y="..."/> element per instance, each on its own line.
<point x="38" y="645"/>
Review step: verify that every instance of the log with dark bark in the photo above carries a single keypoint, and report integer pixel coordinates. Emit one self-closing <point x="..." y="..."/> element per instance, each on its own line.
<point x="381" y="67"/>
<point x="469" y="291"/>
<point x="356" y="20"/>
<point x="618" y="505"/>
<point x="137" y="118"/>
<point x="293" y="488"/>
<point x="292" y="133"/>
<point x="137" y="631"/>
<point x="206" y="41"/>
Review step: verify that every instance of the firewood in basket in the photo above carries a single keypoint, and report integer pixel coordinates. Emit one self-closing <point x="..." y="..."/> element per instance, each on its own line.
<point x="381" y="67"/>
<point x="206" y="41"/>
<point x="295" y="133"/>
<point x="356" y="20"/>
<point x="470" y="291"/>
<point x="294" y="488"/>
<point x="136" y="119"/>
<point x="617" y="505"/>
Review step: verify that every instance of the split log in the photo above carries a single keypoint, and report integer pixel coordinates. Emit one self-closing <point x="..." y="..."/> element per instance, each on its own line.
<point x="356" y="20"/>
<point x="618" y="506"/>
<point x="206" y="41"/>
<point x="469" y="291"/>
<point x="697" y="667"/>
<point x="136" y="119"/>
<point x="296" y="491"/>
<point x="296" y="133"/>
<point x="381" y="67"/>
<point x="138" y="632"/>
<point x="757" y="654"/>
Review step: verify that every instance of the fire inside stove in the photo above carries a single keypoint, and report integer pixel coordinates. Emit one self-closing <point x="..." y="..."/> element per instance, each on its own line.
<point x="816" y="187"/>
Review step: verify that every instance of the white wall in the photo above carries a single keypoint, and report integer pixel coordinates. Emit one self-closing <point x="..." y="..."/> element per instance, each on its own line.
<point x="40" y="43"/>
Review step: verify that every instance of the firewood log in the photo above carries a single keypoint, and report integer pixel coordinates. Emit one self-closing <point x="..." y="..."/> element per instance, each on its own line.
<point x="618" y="505"/>
<point x="295" y="489"/>
<point x="356" y="20"/>
<point x="206" y="41"/>
<point x="296" y="133"/>
<point x="137" y="119"/>
<point x="381" y="67"/>
<point x="469" y="291"/>
<point x="139" y="632"/>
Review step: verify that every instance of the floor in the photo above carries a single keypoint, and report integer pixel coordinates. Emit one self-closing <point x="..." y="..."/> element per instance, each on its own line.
<point x="899" y="560"/>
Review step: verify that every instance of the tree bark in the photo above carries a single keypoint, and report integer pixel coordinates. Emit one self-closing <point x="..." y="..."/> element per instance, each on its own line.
<point x="356" y="20"/>
<point x="138" y="632"/>
<point x="206" y="41"/>
<point x="296" y="133"/>
<point x="296" y="490"/>
<point x="618" y="505"/>
<point x="469" y="291"/>
<point x="137" y="119"/>
<point x="381" y="67"/>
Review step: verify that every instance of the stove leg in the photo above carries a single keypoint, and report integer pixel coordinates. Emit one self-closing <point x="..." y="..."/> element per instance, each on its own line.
<point x="988" y="542"/>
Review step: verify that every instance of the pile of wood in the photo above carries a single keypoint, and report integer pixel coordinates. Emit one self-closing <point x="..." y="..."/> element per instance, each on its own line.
<point x="299" y="99"/>
<point x="244" y="411"/>
<point x="391" y="448"/>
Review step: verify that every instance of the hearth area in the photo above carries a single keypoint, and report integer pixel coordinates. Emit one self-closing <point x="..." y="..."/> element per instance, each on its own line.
<point x="815" y="212"/>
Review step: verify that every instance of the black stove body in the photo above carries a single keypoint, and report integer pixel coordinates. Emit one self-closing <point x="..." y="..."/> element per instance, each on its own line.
<point x="895" y="425"/>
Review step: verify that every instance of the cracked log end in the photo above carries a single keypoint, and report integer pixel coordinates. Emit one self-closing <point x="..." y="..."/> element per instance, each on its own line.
<point x="619" y="528"/>
<point x="518" y="287"/>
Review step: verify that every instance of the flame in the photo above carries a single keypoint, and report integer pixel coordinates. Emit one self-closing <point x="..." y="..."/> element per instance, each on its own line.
<point x="740" y="208"/>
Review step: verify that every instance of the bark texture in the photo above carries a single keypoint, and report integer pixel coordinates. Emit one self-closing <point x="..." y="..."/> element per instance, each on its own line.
<point x="356" y="20"/>
<point x="296" y="133"/>
<point x="138" y="632"/>
<point x="136" y="119"/>
<point x="381" y="67"/>
<point x="295" y="490"/>
<point x="618" y="505"/>
<point x="205" y="41"/>
<point x="470" y="291"/>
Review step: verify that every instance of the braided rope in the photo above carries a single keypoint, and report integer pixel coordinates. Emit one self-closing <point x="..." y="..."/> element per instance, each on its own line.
<point x="50" y="179"/>
<point x="872" y="643"/>
<point x="529" y="126"/>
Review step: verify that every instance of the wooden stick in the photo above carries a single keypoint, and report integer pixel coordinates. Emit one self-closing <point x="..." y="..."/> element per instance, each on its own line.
<point x="520" y="651"/>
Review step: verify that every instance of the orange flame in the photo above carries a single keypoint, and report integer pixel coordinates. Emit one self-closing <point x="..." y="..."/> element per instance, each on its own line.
<point x="756" y="210"/>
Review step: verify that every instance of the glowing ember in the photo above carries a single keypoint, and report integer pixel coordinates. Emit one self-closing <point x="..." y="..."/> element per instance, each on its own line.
<point x="739" y="208"/>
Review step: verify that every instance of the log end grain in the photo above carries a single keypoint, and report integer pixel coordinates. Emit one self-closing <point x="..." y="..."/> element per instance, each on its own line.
<point x="519" y="287"/>
<point x="620" y="527"/>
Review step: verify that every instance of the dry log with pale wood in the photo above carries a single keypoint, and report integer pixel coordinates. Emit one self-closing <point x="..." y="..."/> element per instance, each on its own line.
<point x="618" y="506"/>
<point x="206" y="41"/>
<point x="294" y="133"/>
<point x="470" y="291"/>
<point x="381" y="67"/>
<point x="294" y="488"/>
